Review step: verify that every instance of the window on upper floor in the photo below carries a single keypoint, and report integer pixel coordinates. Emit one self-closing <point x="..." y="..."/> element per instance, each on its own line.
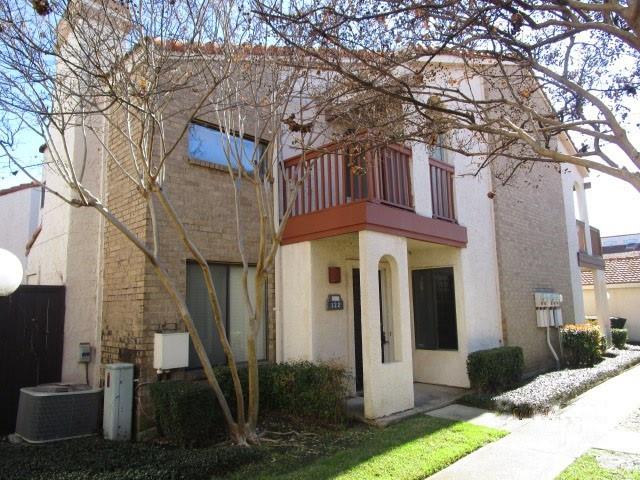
<point x="438" y="152"/>
<point x="209" y="144"/>
<point x="227" y="280"/>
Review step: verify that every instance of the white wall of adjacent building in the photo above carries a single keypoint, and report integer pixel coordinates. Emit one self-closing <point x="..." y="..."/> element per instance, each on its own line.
<point x="19" y="215"/>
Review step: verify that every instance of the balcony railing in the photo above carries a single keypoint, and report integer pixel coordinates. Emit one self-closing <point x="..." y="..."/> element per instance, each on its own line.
<point x="336" y="175"/>
<point x="442" y="190"/>
<point x="594" y="259"/>
<point x="596" y="243"/>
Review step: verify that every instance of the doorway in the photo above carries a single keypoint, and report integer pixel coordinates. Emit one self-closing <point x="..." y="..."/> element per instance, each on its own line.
<point x="385" y="329"/>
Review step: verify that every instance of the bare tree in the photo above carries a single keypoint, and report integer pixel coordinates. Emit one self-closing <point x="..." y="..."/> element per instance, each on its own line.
<point x="552" y="68"/>
<point x="101" y="82"/>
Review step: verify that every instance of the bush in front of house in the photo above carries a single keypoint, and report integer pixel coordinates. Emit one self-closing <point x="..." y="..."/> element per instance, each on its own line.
<point x="619" y="337"/>
<point x="97" y="459"/>
<point x="581" y="345"/>
<point x="496" y="369"/>
<point x="188" y="414"/>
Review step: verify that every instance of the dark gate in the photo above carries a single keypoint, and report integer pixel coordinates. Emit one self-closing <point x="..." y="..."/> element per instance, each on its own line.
<point x="31" y="336"/>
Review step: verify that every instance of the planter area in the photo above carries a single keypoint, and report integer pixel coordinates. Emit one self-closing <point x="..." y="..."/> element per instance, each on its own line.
<point x="556" y="388"/>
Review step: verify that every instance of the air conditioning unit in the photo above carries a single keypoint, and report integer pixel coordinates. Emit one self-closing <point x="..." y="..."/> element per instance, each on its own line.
<point x="58" y="411"/>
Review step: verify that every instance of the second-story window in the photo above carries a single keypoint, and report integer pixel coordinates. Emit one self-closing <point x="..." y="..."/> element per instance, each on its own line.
<point x="209" y="144"/>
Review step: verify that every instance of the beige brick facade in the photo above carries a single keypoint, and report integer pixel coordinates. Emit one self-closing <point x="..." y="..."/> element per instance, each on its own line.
<point x="135" y="304"/>
<point x="533" y="252"/>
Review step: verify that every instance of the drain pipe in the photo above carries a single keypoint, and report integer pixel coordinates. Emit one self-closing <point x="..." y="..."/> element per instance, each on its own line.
<point x="555" y="355"/>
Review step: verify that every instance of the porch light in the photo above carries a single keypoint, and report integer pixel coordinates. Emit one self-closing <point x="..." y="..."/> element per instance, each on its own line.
<point x="10" y="273"/>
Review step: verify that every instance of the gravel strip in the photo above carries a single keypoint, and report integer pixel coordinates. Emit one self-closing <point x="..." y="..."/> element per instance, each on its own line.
<point x="615" y="460"/>
<point x="631" y="423"/>
<point x="555" y="388"/>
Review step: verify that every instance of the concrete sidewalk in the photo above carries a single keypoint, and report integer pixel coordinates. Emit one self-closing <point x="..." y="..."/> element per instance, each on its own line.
<point x="544" y="446"/>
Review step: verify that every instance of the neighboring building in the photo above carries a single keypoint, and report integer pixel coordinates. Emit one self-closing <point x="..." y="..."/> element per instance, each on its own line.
<point x="19" y="214"/>
<point x="621" y="243"/>
<point x="394" y="264"/>
<point x="622" y="274"/>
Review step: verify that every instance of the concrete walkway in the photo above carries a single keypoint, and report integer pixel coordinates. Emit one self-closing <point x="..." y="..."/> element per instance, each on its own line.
<point x="544" y="446"/>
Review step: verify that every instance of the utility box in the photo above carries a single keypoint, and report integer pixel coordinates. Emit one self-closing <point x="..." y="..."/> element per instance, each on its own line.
<point x="118" y="401"/>
<point x="170" y="350"/>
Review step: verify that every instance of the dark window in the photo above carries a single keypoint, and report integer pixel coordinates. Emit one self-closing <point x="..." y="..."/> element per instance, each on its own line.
<point x="434" y="309"/>
<point x="209" y="144"/>
<point x="227" y="280"/>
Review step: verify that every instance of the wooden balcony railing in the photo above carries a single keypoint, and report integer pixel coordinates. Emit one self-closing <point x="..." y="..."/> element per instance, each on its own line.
<point x="596" y="242"/>
<point x="442" y="190"/>
<point x="336" y="175"/>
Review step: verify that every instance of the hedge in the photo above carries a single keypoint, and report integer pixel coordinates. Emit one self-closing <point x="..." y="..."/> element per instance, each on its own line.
<point x="97" y="459"/>
<point x="619" y="337"/>
<point x="496" y="369"/>
<point x="188" y="414"/>
<point x="581" y="345"/>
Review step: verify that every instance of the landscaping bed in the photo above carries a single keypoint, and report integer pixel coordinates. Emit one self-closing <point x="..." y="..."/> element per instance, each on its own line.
<point x="552" y="389"/>
<point x="412" y="449"/>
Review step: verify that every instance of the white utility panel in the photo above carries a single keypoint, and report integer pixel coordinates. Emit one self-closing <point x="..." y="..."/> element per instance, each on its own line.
<point x="170" y="350"/>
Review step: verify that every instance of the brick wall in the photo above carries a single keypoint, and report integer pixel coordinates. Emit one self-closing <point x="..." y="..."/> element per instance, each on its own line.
<point x="533" y="252"/>
<point x="135" y="303"/>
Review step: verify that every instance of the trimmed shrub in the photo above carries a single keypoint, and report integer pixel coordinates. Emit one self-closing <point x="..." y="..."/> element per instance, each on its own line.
<point x="619" y="337"/>
<point x="581" y="345"/>
<point x="496" y="369"/>
<point x="188" y="414"/>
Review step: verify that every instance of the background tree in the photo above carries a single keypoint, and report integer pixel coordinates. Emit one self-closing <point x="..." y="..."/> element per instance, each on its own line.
<point x="83" y="73"/>
<point x="552" y="68"/>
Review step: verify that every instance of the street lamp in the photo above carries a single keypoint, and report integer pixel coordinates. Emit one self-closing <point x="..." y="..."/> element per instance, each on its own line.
<point x="10" y="273"/>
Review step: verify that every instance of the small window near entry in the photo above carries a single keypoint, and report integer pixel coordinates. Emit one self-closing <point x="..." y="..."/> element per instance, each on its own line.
<point x="434" y="309"/>
<point x="209" y="144"/>
<point x="227" y="280"/>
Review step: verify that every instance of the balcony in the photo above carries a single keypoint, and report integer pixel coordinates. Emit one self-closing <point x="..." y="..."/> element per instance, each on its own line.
<point x="594" y="259"/>
<point x="348" y="188"/>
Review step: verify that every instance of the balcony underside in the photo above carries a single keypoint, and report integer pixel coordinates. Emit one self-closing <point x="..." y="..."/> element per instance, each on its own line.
<point x="594" y="262"/>
<point x="365" y="215"/>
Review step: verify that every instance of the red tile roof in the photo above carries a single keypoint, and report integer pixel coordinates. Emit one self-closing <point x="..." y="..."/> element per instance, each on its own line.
<point x="17" y="188"/>
<point x="619" y="268"/>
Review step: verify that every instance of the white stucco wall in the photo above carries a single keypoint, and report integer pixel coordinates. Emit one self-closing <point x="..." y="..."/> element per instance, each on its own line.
<point x="19" y="219"/>
<point x="572" y="175"/>
<point x="623" y="301"/>
<point x="68" y="251"/>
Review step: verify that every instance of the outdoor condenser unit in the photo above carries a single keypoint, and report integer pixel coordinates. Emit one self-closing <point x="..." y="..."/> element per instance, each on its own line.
<point x="118" y="401"/>
<point x="58" y="411"/>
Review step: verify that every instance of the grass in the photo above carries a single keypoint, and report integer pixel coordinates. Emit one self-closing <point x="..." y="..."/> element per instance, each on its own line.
<point x="587" y="467"/>
<point x="412" y="449"/>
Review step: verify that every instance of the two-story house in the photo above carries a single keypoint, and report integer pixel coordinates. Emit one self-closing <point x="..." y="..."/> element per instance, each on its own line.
<point x="397" y="261"/>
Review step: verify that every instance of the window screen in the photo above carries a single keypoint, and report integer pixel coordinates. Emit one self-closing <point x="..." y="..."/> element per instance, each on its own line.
<point x="210" y="145"/>
<point x="227" y="281"/>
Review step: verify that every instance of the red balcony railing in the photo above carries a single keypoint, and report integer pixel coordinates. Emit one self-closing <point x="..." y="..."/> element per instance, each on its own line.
<point x="442" y="190"/>
<point x="336" y="175"/>
<point x="596" y="242"/>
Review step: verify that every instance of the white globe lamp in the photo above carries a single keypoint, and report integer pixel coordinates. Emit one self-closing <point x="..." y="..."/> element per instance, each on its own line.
<point x="10" y="273"/>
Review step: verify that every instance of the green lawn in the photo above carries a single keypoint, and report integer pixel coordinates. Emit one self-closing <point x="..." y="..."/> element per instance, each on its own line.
<point x="586" y="467"/>
<point x="412" y="449"/>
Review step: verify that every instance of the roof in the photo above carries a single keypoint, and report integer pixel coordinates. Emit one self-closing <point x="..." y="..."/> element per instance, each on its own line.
<point x="619" y="268"/>
<point x="17" y="188"/>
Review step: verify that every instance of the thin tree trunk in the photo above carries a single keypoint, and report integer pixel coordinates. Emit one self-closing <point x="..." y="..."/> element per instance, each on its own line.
<point x="215" y="305"/>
